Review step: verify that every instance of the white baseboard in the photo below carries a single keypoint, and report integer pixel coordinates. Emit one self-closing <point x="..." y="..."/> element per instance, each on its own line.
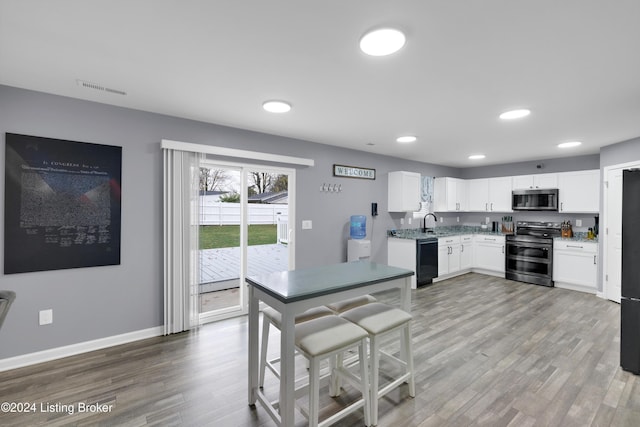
<point x="73" y="349"/>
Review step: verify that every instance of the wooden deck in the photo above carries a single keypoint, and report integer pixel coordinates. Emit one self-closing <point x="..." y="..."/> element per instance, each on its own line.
<point x="221" y="265"/>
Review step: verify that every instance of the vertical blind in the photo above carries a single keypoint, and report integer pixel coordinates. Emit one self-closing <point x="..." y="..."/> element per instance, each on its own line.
<point x="181" y="273"/>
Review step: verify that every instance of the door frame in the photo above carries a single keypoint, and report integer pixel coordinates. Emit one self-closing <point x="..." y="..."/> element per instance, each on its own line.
<point x="244" y="168"/>
<point x="606" y="240"/>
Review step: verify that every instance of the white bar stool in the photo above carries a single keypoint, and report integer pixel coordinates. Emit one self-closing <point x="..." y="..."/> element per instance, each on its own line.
<point x="378" y="320"/>
<point x="273" y="317"/>
<point x="326" y="337"/>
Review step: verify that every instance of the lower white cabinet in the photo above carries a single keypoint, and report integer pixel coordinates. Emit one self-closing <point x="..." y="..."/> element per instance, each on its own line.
<point x="448" y="255"/>
<point x="575" y="265"/>
<point x="402" y="253"/>
<point x="466" y="252"/>
<point x="488" y="253"/>
<point x="455" y="255"/>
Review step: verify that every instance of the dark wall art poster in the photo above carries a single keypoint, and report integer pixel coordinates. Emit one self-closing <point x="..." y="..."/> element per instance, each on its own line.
<point x="62" y="204"/>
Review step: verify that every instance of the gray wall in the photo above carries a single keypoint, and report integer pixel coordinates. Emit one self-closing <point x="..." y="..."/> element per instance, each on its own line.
<point x="98" y="302"/>
<point x="563" y="164"/>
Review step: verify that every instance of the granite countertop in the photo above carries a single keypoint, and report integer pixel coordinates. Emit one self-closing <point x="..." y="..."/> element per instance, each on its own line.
<point x="458" y="230"/>
<point x="578" y="236"/>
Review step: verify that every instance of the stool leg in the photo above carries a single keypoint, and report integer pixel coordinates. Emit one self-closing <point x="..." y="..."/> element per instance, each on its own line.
<point x="263" y="349"/>
<point x="364" y="374"/>
<point x="408" y="345"/>
<point x="335" y="383"/>
<point x="314" y="392"/>
<point x="375" y="367"/>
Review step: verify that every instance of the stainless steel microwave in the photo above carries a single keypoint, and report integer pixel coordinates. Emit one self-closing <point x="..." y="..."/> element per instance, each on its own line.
<point x="535" y="200"/>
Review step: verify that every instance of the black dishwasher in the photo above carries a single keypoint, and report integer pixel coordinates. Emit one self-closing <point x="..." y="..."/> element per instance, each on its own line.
<point x="426" y="260"/>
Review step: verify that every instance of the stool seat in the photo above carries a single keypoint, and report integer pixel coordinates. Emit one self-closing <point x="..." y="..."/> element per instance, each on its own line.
<point x="327" y="334"/>
<point x="377" y="318"/>
<point x="344" y="305"/>
<point x="276" y="317"/>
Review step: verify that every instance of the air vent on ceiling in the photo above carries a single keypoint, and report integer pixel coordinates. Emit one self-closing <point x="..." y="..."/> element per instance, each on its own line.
<point x="95" y="86"/>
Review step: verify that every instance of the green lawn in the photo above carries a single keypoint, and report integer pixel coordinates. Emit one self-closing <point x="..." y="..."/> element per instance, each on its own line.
<point x="228" y="236"/>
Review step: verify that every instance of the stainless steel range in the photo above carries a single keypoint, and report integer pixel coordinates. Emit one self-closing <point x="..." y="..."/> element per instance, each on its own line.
<point x="529" y="252"/>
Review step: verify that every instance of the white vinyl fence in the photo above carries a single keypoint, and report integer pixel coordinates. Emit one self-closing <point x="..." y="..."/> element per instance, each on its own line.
<point x="221" y="213"/>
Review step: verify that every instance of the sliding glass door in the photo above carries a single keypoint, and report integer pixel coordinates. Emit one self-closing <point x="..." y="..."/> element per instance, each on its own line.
<point x="246" y="222"/>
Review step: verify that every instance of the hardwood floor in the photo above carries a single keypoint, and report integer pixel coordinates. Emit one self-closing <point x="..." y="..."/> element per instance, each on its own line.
<point x="487" y="351"/>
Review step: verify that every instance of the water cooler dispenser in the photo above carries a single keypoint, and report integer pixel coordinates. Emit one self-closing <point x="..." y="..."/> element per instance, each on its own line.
<point x="357" y="246"/>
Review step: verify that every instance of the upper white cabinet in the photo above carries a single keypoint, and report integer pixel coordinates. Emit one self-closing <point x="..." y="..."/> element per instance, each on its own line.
<point x="450" y="195"/>
<point x="404" y="192"/>
<point x="579" y="191"/>
<point x="543" y="180"/>
<point x="490" y="194"/>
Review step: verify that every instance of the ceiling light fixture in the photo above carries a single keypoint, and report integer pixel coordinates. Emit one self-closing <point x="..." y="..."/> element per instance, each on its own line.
<point x="477" y="156"/>
<point x="515" y="114"/>
<point x="406" y="139"/>
<point x="276" y="106"/>
<point x="382" y="42"/>
<point x="569" y="144"/>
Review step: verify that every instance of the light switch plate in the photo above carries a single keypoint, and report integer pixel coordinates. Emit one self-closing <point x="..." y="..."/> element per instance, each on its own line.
<point x="307" y="224"/>
<point x="46" y="317"/>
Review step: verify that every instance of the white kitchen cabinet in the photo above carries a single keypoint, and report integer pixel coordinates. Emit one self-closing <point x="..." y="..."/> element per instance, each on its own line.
<point x="466" y="252"/>
<point x="488" y="254"/>
<point x="403" y="192"/>
<point x="402" y="253"/>
<point x="448" y="255"/>
<point x="490" y="194"/>
<point x="500" y="194"/>
<point x="450" y="195"/>
<point x="575" y="265"/>
<point x="579" y="191"/>
<point x="543" y="180"/>
<point x="478" y="194"/>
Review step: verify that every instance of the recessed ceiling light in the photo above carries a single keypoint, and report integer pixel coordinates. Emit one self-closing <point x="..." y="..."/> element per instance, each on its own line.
<point x="406" y="139"/>
<point x="276" y="106"/>
<point x="569" y="144"/>
<point x="514" y="114"/>
<point x="477" y="156"/>
<point x="383" y="41"/>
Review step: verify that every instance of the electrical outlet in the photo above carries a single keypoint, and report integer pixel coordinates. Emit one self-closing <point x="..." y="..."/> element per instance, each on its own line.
<point x="487" y="220"/>
<point x="46" y="317"/>
<point x="457" y="219"/>
<point x="441" y="219"/>
<point x="578" y="223"/>
<point x="409" y="219"/>
<point x="401" y="221"/>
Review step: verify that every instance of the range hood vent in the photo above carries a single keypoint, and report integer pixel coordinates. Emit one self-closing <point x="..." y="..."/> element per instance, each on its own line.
<point x="89" y="85"/>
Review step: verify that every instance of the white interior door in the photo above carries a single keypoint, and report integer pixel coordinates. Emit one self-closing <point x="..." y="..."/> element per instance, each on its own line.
<point x="613" y="235"/>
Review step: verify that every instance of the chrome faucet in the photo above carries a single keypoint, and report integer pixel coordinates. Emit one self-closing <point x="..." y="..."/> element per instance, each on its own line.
<point x="424" y="221"/>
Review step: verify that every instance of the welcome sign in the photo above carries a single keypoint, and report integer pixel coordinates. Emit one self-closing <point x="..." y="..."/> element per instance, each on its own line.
<point x="353" y="172"/>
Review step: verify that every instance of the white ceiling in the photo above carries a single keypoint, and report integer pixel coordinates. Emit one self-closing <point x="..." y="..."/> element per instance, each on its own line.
<point x="574" y="63"/>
